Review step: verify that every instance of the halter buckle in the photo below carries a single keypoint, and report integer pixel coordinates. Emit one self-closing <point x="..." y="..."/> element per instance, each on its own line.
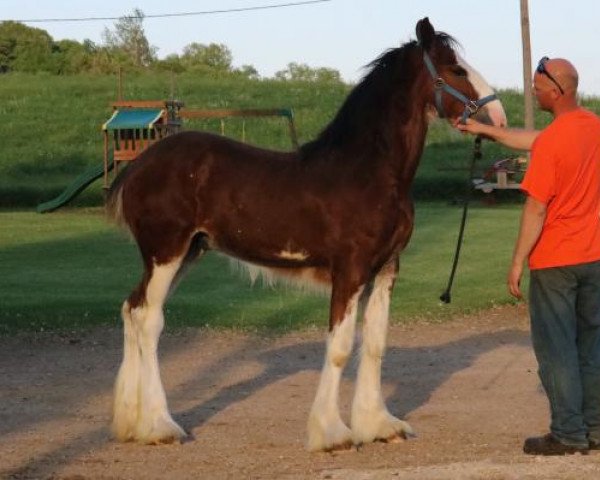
<point x="472" y="107"/>
<point x="439" y="83"/>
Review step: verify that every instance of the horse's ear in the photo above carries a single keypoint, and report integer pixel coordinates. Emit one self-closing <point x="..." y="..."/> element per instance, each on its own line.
<point x="425" y="33"/>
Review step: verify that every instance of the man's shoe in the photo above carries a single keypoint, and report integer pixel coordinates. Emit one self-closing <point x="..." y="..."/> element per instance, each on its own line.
<point x="594" y="444"/>
<point x="548" y="445"/>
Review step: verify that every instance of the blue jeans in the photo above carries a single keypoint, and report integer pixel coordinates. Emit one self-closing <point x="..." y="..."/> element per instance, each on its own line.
<point x="565" y="330"/>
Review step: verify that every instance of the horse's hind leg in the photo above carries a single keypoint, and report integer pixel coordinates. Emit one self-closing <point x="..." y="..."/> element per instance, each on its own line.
<point x="126" y="399"/>
<point x="370" y="417"/>
<point x="140" y="407"/>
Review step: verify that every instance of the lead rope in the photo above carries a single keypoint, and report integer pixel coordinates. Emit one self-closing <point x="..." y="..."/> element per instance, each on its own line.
<point x="445" y="297"/>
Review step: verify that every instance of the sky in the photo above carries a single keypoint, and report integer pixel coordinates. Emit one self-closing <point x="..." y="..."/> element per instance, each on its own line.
<point x="345" y="34"/>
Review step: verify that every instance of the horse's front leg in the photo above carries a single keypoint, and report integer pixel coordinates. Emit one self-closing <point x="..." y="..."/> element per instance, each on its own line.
<point x="326" y="430"/>
<point x="371" y="419"/>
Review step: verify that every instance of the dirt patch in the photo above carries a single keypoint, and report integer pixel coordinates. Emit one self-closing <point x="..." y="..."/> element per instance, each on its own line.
<point x="469" y="388"/>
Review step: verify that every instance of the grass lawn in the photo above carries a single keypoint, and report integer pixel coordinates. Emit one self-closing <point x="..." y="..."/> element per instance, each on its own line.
<point x="72" y="269"/>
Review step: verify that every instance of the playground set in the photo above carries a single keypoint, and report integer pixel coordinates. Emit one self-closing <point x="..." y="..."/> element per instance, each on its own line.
<point x="135" y="125"/>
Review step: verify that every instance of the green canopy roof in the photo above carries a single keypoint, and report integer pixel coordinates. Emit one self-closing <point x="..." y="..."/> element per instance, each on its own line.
<point x="133" y="118"/>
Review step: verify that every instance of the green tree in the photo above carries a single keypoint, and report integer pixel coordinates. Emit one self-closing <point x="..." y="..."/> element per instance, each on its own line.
<point x="106" y="60"/>
<point x="129" y="38"/>
<point x="171" y="63"/>
<point x="215" y="56"/>
<point x="247" y="71"/>
<point x="74" y="57"/>
<point x="25" y="49"/>
<point x="303" y="72"/>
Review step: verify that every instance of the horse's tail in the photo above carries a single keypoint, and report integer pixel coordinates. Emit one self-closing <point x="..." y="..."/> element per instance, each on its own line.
<point x="114" y="200"/>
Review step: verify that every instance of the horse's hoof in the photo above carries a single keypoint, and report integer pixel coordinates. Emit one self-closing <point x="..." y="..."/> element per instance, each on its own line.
<point x="346" y="446"/>
<point x="399" y="437"/>
<point x="176" y="437"/>
<point x="164" y="431"/>
<point x="381" y="428"/>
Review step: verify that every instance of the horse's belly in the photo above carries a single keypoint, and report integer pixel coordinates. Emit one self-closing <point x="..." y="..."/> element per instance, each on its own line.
<point x="310" y="278"/>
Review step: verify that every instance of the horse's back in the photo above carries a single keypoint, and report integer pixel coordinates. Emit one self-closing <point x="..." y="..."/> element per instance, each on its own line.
<point x="188" y="170"/>
<point x="196" y="147"/>
<point x="192" y="159"/>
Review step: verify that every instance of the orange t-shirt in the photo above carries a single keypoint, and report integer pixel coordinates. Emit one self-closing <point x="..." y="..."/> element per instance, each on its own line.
<point x="564" y="174"/>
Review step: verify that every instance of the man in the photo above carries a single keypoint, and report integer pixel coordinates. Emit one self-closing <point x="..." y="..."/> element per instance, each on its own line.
<point x="560" y="235"/>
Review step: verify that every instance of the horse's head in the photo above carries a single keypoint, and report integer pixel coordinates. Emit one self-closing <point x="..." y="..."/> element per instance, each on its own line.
<point x="456" y="89"/>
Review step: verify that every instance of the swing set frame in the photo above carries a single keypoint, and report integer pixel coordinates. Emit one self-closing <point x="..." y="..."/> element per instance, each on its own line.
<point x="126" y="144"/>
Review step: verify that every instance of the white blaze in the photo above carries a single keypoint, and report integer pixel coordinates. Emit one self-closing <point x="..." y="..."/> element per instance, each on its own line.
<point x="494" y="108"/>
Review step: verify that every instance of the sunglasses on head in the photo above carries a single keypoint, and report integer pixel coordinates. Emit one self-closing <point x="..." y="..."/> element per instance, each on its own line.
<point x="541" y="68"/>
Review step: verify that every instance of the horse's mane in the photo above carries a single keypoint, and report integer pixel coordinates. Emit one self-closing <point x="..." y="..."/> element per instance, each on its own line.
<point x="364" y="123"/>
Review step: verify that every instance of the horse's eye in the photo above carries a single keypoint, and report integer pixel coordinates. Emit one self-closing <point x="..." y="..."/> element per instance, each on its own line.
<point x="459" y="71"/>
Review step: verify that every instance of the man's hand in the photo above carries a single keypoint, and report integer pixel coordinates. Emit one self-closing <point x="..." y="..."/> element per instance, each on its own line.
<point x="470" y="126"/>
<point x="532" y="222"/>
<point x="514" y="280"/>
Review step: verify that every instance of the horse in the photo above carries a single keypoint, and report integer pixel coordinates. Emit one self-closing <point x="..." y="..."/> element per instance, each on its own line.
<point x="336" y="212"/>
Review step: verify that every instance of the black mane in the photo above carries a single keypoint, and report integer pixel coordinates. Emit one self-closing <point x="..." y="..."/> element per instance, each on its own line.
<point x="364" y="117"/>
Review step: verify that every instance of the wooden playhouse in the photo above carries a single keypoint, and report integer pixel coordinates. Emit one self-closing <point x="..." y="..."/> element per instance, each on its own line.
<point x="135" y="125"/>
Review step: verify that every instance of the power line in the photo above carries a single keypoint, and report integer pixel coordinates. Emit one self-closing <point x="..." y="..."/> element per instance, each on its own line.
<point x="166" y="15"/>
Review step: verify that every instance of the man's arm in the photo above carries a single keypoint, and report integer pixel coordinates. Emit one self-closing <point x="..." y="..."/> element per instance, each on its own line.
<point x="532" y="221"/>
<point x="517" y="138"/>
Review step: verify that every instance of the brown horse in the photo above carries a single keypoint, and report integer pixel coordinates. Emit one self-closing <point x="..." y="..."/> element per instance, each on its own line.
<point x="337" y="212"/>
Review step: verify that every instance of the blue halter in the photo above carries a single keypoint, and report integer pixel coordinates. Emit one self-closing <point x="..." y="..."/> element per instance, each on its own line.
<point x="440" y="85"/>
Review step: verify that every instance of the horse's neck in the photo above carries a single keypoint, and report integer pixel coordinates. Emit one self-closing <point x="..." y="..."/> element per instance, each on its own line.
<point x="408" y="142"/>
<point x="414" y="142"/>
<point x="392" y="141"/>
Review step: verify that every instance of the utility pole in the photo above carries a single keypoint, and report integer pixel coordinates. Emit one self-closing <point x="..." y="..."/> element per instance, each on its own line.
<point x="527" y="74"/>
